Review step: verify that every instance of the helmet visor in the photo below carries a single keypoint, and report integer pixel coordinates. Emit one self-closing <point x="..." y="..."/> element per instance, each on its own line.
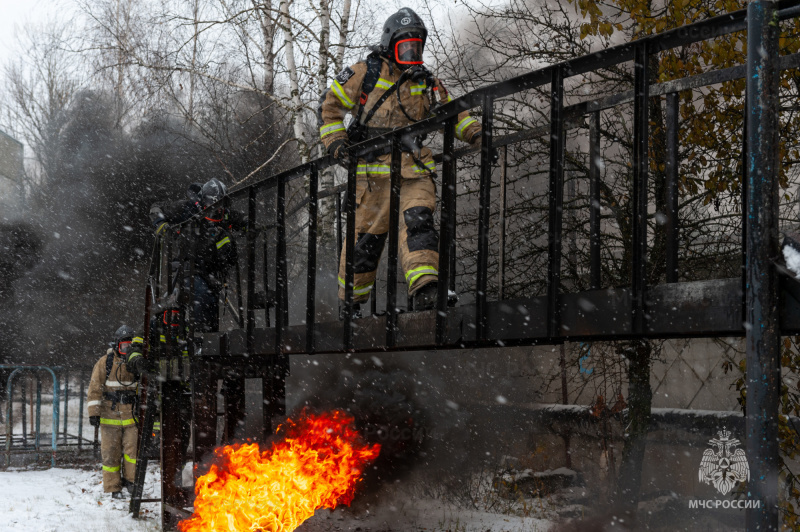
<point x="408" y="52"/>
<point x="172" y="318"/>
<point x="217" y="215"/>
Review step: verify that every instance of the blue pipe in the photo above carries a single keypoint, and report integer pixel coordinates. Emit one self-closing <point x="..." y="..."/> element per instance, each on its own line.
<point x="38" y="413"/>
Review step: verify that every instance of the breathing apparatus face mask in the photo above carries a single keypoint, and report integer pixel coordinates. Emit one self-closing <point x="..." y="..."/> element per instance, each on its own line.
<point x="171" y="318"/>
<point x="216" y="215"/>
<point x="124" y="347"/>
<point x="408" y="52"/>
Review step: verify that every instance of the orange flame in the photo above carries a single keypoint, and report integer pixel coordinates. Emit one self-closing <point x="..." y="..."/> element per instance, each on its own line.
<point x="316" y="465"/>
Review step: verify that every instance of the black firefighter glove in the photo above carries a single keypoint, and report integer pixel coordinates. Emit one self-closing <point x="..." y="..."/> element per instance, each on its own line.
<point x="94" y="421"/>
<point x="339" y="151"/>
<point x="136" y="363"/>
<point x="477" y="141"/>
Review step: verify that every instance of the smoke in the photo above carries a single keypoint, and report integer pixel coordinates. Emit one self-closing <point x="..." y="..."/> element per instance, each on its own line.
<point x="91" y="210"/>
<point x="20" y="250"/>
<point x="381" y="398"/>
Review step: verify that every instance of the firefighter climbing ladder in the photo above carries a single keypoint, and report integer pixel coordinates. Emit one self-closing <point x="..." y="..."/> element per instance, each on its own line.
<point x="718" y="307"/>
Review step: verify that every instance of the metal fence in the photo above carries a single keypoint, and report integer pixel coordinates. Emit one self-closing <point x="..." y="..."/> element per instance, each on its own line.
<point x="33" y="392"/>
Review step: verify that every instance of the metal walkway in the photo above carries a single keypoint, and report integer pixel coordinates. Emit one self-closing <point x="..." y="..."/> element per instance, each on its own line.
<point x="765" y="294"/>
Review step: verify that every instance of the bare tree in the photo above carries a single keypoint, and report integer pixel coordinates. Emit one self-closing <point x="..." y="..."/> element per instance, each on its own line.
<point x="39" y="86"/>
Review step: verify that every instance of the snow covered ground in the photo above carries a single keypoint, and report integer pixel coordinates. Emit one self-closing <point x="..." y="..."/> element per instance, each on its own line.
<point x="70" y="500"/>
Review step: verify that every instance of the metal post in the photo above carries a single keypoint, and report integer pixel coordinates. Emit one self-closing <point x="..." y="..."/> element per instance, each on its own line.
<point x="484" y="211"/>
<point x="448" y="223"/>
<point x="190" y="324"/>
<point x="24" y="390"/>
<point x="572" y="244"/>
<point x="80" y="408"/>
<point x="394" y="241"/>
<point x="745" y="192"/>
<point x="9" y="417"/>
<point x="501" y="270"/>
<point x="763" y="346"/>
<point x="311" y="275"/>
<point x="172" y="452"/>
<point x="672" y="187"/>
<point x="640" y="170"/>
<point x="266" y="278"/>
<point x="204" y="410"/>
<point x="338" y="225"/>
<point x="280" y="266"/>
<point x="595" y="276"/>
<point x="266" y="398"/>
<point x="556" y="201"/>
<point x="240" y="315"/>
<point x="453" y="264"/>
<point x="39" y="414"/>
<point x="252" y="234"/>
<point x="66" y="403"/>
<point x="565" y="401"/>
<point x="56" y="393"/>
<point x="349" y="252"/>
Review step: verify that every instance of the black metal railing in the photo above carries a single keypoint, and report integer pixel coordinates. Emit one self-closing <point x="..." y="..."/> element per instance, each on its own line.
<point x="562" y="118"/>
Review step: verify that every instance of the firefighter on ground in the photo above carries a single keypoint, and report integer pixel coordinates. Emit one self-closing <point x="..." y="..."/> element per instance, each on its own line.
<point x="215" y="254"/>
<point x="390" y="90"/>
<point x="111" y="400"/>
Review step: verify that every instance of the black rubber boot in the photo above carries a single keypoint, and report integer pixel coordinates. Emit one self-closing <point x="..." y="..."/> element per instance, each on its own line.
<point x="127" y="485"/>
<point x="425" y="297"/>
<point x="354" y="315"/>
<point x="117" y="495"/>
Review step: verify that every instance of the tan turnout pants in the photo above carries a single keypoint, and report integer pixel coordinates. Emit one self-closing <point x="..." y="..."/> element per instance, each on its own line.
<point x="119" y="438"/>
<point x="419" y="240"/>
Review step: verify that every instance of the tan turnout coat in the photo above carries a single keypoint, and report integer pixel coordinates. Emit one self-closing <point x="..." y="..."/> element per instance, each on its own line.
<point x="418" y="250"/>
<point x="119" y="436"/>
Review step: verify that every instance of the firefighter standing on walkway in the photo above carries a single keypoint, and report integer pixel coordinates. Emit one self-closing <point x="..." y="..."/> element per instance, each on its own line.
<point x="111" y="399"/>
<point x="391" y="90"/>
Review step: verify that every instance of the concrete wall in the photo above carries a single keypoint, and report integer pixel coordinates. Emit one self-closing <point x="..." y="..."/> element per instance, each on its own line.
<point x="11" y="172"/>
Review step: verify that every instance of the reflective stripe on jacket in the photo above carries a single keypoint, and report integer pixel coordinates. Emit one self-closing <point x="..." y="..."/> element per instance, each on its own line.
<point x="119" y="380"/>
<point x="416" y="97"/>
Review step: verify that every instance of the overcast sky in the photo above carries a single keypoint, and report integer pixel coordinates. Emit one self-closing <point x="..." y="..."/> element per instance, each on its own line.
<point x="16" y="13"/>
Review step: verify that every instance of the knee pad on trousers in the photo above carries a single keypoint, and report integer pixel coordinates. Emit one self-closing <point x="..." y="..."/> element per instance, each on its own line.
<point x="367" y="252"/>
<point x="421" y="233"/>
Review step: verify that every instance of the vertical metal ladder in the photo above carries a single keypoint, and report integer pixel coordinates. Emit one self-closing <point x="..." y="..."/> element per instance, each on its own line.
<point x="147" y="450"/>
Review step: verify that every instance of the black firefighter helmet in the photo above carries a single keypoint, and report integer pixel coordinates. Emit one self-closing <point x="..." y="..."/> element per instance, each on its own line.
<point x="403" y="38"/>
<point x="213" y="191"/>
<point x="122" y="339"/>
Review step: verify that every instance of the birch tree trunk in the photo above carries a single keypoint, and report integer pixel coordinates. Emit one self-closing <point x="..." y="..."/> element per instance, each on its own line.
<point x="120" y="38"/>
<point x="344" y="31"/>
<point x="195" y="21"/>
<point x="297" y="105"/>
<point x="324" y="45"/>
<point x="267" y="23"/>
